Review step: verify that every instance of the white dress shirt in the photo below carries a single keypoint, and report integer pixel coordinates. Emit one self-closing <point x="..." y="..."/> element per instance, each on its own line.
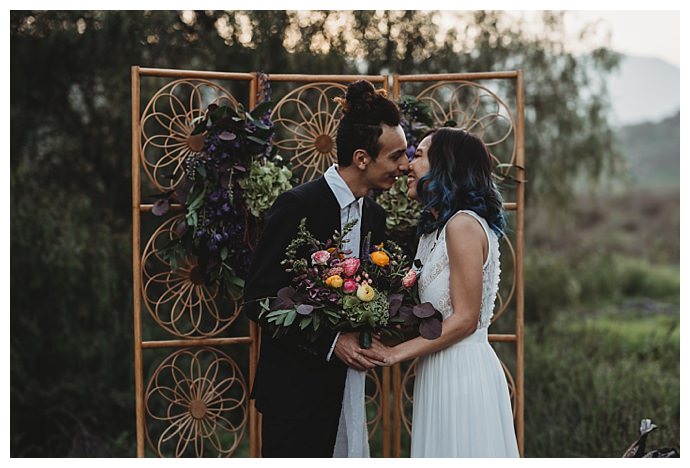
<point x="350" y="209"/>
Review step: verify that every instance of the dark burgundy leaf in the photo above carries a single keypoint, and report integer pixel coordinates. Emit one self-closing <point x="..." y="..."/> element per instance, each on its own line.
<point x="286" y="293"/>
<point x="430" y="328"/>
<point x="423" y="310"/>
<point x="160" y="207"/>
<point x="405" y="313"/>
<point x="394" y="303"/>
<point x="305" y="309"/>
<point x="181" y="228"/>
<point x="226" y="136"/>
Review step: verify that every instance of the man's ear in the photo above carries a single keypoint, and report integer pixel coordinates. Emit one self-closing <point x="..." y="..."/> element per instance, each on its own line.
<point x="360" y="158"/>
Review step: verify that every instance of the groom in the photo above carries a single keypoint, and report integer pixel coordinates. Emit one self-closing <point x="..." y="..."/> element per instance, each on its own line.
<point x="299" y="384"/>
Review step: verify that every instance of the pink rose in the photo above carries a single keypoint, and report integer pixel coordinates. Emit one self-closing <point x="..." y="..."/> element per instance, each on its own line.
<point x="334" y="271"/>
<point x="409" y="279"/>
<point x="349" y="286"/>
<point x="350" y="266"/>
<point x="320" y="258"/>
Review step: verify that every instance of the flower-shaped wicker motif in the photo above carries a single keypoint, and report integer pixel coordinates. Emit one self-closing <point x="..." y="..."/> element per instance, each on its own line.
<point x="306" y="123"/>
<point x="178" y="300"/>
<point x="511" y="386"/>
<point x="478" y="110"/>
<point x="166" y="126"/>
<point x="373" y="402"/>
<point x="196" y="405"/>
<point x="406" y="398"/>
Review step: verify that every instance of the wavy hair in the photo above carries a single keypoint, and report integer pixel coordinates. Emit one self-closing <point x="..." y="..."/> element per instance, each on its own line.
<point x="459" y="178"/>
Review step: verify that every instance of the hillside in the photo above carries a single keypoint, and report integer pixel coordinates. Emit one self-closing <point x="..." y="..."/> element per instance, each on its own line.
<point x="651" y="151"/>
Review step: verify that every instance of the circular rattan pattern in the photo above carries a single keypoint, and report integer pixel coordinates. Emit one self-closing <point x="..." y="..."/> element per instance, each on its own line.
<point x="476" y="109"/>
<point x="511" y="386"/>
<point x="196" y="405"/>
<point x="406" y="399"/>
<point x="178" y="300"/>
<point x="167" y="123"/>
<point x="373" y="402"/>
<point x="306" y="125"/>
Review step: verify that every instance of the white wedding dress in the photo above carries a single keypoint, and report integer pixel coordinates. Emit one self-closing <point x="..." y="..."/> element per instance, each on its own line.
<point x="461" y="402"/>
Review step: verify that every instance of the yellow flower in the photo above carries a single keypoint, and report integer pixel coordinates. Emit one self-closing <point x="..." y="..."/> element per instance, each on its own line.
<point x="379" y="258"/>
<point x="365" y="292"/>
<point x="334" y="281"/>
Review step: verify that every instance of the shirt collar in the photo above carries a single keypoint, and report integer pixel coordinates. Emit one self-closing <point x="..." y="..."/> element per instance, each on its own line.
<point x="339" y="188"/>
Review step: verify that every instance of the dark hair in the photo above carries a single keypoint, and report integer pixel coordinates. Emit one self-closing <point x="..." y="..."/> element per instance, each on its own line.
<point x="459" y="178"/>
<point x="364" y="110"/>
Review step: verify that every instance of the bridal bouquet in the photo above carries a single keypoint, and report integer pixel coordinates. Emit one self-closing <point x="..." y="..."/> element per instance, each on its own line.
<point x="374" y="294"/>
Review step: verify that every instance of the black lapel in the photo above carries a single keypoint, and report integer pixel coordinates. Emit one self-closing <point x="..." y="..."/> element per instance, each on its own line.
<point x="326" y="217"/>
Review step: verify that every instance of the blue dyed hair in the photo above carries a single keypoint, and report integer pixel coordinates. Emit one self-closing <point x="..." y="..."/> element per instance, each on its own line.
<point x="459" y="178"/>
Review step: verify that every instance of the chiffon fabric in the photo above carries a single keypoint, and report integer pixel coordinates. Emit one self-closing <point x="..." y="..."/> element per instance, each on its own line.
<point x="461" y="403"/>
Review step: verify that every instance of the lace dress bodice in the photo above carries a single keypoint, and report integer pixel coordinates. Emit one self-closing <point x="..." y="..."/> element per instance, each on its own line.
<point x="434" y="280"/>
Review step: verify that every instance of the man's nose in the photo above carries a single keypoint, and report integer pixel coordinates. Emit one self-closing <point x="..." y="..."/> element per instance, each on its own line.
<point x="404" y="165"/>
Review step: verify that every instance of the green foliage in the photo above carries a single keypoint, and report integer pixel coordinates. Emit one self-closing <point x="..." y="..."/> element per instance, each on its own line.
<point x="71" y="339"/>
<point x="71" y="376"/>
<point x="263" y="185"/>
<point x="589" y="382"/>
<point x="651" y="152"/>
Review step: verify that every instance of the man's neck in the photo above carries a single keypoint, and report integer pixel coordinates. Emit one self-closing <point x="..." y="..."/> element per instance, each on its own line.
<point x="353" y="178"/>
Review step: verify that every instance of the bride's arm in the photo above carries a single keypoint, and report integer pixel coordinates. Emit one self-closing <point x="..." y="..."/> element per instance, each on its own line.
<point x="466" y="244"/>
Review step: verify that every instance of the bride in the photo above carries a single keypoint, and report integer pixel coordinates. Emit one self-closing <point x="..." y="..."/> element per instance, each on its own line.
<point x="461" y="402"/>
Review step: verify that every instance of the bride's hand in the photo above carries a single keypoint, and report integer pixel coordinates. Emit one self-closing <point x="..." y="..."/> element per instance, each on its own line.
<point x="380" y="354"/>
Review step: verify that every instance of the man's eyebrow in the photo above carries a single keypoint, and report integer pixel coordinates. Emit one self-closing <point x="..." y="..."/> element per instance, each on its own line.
<point x="397" y="153"/>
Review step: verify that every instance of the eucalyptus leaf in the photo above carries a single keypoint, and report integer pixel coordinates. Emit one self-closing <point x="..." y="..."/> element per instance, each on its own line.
<point x="256" y="140"/>
<point x="305" y="309"/>
<point x="305" y="322"/>
<point x="290" y="318"/>
<point x="277" y="313"/>
<point x="237" y="281"/>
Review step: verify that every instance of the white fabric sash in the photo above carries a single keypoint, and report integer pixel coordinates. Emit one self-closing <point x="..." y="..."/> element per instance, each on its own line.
<point x="352" y="440"/>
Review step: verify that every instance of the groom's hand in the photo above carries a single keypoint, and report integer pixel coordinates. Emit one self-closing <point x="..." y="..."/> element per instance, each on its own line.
<point x="347" y="349"/>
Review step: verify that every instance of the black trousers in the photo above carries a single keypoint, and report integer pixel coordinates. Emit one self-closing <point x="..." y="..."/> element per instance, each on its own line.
<point x="313" y="437"/>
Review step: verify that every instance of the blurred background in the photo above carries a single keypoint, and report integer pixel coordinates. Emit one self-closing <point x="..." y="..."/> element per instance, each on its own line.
<point x="602" y="204"/>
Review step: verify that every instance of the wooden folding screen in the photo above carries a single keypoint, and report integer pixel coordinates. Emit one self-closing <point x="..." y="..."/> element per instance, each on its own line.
<point x="193" y="401"/>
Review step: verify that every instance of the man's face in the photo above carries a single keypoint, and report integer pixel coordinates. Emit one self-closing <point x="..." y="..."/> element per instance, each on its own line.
<point x="391" y="161"/>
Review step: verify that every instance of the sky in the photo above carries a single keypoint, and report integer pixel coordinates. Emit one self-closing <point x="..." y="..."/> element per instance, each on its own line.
<point x="640" y="33"/>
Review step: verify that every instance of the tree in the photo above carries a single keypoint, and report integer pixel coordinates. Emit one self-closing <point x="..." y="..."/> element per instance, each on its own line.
<point x="71" y="388"/>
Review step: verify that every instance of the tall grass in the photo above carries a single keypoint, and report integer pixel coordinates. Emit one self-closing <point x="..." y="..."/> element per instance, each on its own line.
<point x="588" y="383"/>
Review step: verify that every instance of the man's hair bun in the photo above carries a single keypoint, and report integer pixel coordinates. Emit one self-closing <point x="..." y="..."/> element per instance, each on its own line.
<point x="361" y="97"/>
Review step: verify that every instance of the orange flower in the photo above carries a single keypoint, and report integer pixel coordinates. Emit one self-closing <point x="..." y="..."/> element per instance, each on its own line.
<point x="379" y="258"/>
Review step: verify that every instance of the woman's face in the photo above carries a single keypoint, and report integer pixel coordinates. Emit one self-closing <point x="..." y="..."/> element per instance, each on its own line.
<point x="419" y="167"/>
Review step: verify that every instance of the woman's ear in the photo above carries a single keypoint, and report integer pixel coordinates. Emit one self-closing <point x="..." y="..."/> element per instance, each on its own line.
<point x="360" y="158"/>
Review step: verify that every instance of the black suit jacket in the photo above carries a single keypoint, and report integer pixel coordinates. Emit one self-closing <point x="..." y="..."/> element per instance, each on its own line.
<point x="293" y="378"/>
